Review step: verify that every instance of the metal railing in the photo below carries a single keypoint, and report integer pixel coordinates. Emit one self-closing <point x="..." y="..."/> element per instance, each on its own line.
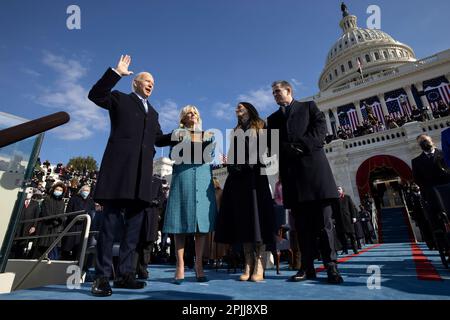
<point x="86" y="232"/>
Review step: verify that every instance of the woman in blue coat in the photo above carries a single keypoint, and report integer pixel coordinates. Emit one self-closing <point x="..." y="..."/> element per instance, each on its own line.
<point x="191" y="206"/>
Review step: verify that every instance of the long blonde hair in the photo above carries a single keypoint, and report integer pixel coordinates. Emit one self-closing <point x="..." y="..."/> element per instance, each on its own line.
<point x="185" y="111"/>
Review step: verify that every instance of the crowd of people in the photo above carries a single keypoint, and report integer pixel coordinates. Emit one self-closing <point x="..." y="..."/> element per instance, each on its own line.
<point x="45" y="175"/>
<point x="372" y="124"/>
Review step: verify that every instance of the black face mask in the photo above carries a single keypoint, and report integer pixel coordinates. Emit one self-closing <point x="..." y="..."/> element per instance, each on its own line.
<point x="426" y="145"/>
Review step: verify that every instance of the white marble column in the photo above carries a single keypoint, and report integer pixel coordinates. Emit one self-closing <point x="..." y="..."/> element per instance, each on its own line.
<point x="383" y="104"/>
<point x="411" y="99"/>
<point x="336" y="118"/>
<point x="327" y="118"/>
<point x="358" y="111"/>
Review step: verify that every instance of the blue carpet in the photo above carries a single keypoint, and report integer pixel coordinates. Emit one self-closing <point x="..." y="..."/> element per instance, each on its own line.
<point x="398" y="282"/>
<point x="393" y="226"/>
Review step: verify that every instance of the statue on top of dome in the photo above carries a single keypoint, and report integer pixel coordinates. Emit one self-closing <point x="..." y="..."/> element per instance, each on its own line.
<point x="344" y="10"/>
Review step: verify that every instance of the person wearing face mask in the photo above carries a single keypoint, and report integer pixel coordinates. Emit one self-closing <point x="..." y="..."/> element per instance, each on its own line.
<point x="53" y="204"/>
<point x="82" y="201"/>
<point x="429" y="168"/>
<point x="246" y="214"/>
<point x="30" y="210"/>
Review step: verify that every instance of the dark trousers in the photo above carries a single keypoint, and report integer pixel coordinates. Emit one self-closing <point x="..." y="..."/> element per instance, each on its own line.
<point x="343" y="236"/>
<point x="112" y="217"/>
<point x="367" y="234"/>
<point x="143" y="252"/>
<point x="314" y="225"/>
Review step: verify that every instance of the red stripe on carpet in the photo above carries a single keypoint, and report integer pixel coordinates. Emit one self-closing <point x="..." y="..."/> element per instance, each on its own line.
<point x="424" y="268"/>
<point x="342" y="260"/>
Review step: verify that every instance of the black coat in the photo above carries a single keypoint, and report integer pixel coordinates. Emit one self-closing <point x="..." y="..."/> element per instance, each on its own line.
<point x="127" y="165"/>
<point x="76" y="203"/>
<point x="306" y="176"/>
<point x="430" y="172"/>
<point x="32" y="212"/>
<point x="345" y="212"/>
<point x="365" y="218"/>
<point x="149" y="231"/>
<point x="246" y="212"/>
<point x="50" y="206"/>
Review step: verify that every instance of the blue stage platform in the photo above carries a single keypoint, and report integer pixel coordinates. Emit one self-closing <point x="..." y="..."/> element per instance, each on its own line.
<point x="408" y="272"/>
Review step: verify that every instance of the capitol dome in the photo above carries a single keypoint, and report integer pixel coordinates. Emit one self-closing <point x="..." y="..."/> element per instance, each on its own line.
<point x="377" y="51"/>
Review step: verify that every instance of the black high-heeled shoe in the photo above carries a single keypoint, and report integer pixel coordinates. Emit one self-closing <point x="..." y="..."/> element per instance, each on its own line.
<point x="201" y="278"/>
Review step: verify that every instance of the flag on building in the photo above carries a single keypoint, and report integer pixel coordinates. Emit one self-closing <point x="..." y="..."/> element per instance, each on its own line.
<point x="436" y="94"/>
<point x="405" y="106"/>
<point x="376" y="110"/>
<point x="394" y="108"/>
<point x="348" y="118"/>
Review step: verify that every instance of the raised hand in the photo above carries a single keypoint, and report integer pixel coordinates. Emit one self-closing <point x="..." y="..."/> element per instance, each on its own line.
<point x="123" y="64"/>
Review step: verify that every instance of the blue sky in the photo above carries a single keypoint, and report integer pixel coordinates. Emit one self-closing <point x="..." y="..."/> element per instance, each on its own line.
<point x="208" y="53"/>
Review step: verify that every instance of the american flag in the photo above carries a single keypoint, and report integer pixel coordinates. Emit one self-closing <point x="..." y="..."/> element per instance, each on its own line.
<point x="399" y="106"/>
<point x="435" y="94"/>
<point x="405" y="104"/>
<point x="394" y="107"/>
<point x="377" y="111"/>
<point x="348" y="118"/>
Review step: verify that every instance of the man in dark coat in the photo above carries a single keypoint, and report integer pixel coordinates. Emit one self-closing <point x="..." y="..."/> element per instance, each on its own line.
<point x="345" y="216"/>
<point x="125" y="177"/>
<point x="429" y="171"/>
<point x="71" y="245"/>
<point x="365" y="218"/>
<point x="429" y="168"/>
<point x="30" y="211"/>
<point x="149" y="230"/>
<point x="309" y="188"/>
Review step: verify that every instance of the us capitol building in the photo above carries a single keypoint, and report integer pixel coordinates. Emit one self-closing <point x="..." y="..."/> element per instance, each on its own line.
<point x="388" y="71"/>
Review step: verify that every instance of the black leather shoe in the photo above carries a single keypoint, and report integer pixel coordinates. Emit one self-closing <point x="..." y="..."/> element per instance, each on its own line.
<point x="101" y="287"/>
<point x="334" y="277"/>
<point x="128" y="281"/>
<point x="303" y="275"/>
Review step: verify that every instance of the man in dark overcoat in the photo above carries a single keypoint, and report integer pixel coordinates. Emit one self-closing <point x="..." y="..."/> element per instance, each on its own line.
<point x="309" y="188"/>
<point x="125" y="177"/>
<point x="429" y="168"/>
<point x="429" y="171"/>
<point x="346" y="216"/>
<point x="30" y="210"/>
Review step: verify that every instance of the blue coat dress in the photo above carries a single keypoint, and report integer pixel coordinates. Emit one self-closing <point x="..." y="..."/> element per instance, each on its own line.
<point x="191" y="206"/>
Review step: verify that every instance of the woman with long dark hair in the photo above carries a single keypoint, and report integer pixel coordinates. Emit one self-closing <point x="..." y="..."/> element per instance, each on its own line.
<point x="246" y="214"/>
